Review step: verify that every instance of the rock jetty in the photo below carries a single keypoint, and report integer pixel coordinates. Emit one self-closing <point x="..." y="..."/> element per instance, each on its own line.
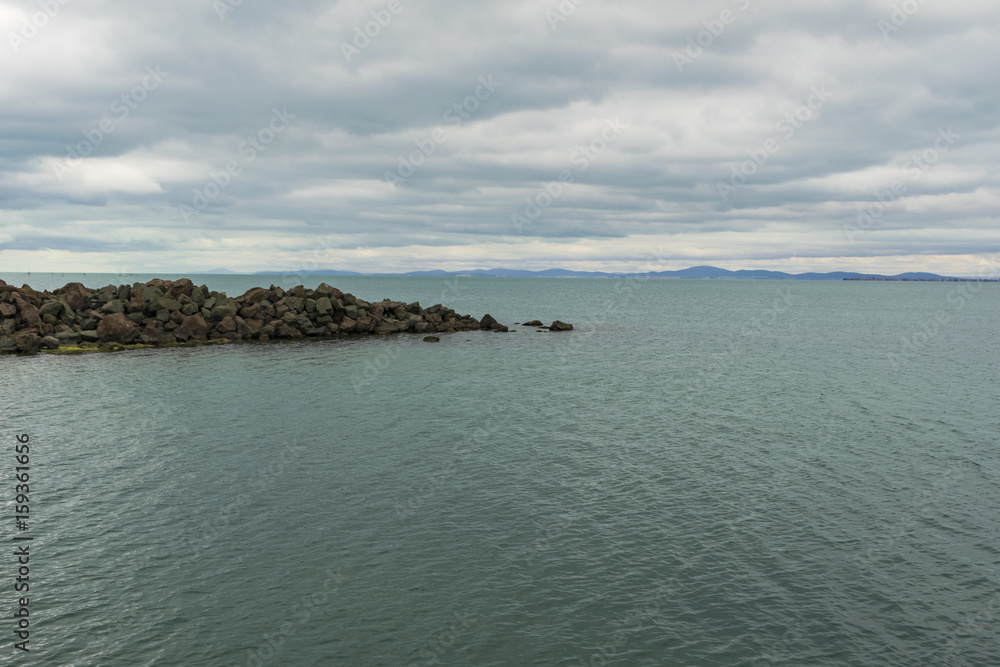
<point x="170" y="313"/>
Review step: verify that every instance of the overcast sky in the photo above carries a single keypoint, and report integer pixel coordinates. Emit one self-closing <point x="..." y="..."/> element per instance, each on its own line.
<point x="398" y="135"/>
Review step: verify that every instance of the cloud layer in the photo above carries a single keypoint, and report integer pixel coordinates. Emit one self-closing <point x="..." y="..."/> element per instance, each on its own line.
<point x="583" y="134"/>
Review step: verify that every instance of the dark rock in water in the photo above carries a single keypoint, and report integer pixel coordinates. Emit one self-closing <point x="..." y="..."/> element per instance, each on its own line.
<point x="116" y="328"/>
<point x="499" y="328"/>
<point x="533" y="323"/>
<point x="194" y="326"/>
<point x="431" y="339"/>
<point x="27" y="342"/>
<point x="560" y="326"/>
<point x="49" y="343"/>
<point x="68" y="337"/>
<point x="487" y="322"/>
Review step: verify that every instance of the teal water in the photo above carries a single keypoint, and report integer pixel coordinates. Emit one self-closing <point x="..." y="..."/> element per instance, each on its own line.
<point x="702" y="473"/>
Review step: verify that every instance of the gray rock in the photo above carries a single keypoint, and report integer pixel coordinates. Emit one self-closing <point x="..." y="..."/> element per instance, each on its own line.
<point x="51" y="307"/>
<point x="68" y="337"/>
<point x="487" y="322"/>
<point x="222" y="311"/>
<point x="49" y="343"/>
<point x="113" y="306"/>
<point x="89" y="336"/>
<point x="324" y="305"/>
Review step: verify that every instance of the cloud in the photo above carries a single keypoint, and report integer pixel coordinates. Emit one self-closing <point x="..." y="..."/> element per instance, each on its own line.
<point x="729" y="156"/>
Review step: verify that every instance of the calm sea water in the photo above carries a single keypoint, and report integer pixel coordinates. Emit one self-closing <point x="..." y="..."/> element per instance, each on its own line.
<point x="703" y="473"/>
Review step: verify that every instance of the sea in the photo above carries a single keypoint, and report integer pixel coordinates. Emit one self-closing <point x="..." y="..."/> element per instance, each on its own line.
<point x="702" y="472"/>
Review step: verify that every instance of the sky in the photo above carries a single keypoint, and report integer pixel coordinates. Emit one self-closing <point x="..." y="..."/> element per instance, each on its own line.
<point x="403" y="135"/>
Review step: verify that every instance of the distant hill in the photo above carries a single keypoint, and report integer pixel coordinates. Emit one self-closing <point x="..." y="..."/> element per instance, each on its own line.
<point x="695" y="272"/>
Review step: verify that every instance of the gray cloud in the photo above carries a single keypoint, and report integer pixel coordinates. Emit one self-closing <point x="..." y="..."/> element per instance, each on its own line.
<point x="894" y="83"/>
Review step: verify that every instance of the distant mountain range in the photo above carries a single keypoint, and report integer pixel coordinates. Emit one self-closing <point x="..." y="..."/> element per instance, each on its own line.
<point x="697" y="272"/>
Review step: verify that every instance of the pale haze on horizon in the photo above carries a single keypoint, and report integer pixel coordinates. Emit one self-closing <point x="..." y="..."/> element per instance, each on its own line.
<point x="588" y="135"/>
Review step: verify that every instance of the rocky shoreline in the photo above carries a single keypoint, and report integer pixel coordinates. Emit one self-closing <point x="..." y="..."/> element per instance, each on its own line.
<point x="164" y="313"/>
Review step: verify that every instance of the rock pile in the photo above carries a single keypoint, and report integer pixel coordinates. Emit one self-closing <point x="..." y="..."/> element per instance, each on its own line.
<point x="163" y="312"/>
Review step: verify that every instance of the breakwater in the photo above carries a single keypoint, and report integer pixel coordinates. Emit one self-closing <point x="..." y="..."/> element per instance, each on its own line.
<point x="170" y="313"/>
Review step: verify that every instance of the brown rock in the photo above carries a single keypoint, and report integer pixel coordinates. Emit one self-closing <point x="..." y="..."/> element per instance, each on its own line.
<point x="27" y="342"/>
<point x="560" y="326"/>
<point x="364" y="325"/>
<point x="285" y="331"/>
<point x="117" y="328"/>
<point x="195" y="326"/>
<point x="182" y="287"/>
<point x="256" y="295"/>
<point x="227" y="325"/>
<point x="76" y="295"/>
<point x="8" y="310"/>
<point x="29" y="314"/>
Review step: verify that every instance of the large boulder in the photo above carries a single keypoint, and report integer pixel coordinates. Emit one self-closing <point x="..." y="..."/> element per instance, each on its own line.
<point x="158" y="303"/>
<point x="49" y="343"/>
<point x="113" y="306"/>
<point x="27" y="342"/>
<point x="223" y="309"/>
<point x="324" y="305"/>
<point x="75" y="295"/>
<point x="487" y="322"/>
<point x="194" y="326"/>
<point x="51" y="307"/>
<point x="182" y="287"/>
<point x="116" y="328"/>
<point x="560" y="326"/>
<point x="29" y="315"/>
